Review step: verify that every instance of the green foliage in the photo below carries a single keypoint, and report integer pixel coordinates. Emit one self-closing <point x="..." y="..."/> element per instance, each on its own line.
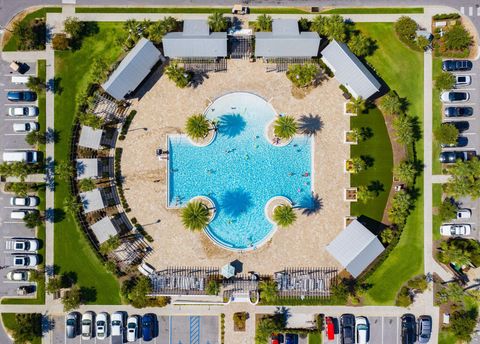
<point x="302" y="75"/>
<point x="356" y="105"/>
<point x="451" y="292"/>
<point x="340" y="291"/>
<point x="387" y="236"/>
<point x="28" y="328"/>
<point x="361" y="45"/>
<point x="406" y="171"/>
<point x="443" y="16"/>
<point x="32" y="219"/>
<point x="404" y="127"/>
<point x="444" y="81"/>
<point x="91" y="120"/>
<point x="197" y="126"/>
<point x="72" y="298"/>
<point x="30" y="35"/>
<point x="390" y="104"/>
<point x="64" y="170"/>
<point x="110" y="245"/>
<point x="36" y="84"/>
<point x="20" y="189"/>
<point x="213" y="287"/>
<point x="264" y="23"/>
<point x="60" y="41"/>
<point x="457" y="38"/>
<point x="284" y="215"/>
<point x="447" y="210"/>
<point x="285" y="127"/>
<point x="365" y="194"/>
<point x="74" y="27"/>
<point x="465" y="179"/>
<point x="332" y="27"/>
<point x="86" y="184"/>
<point x="17" y="169"/>
<point x="195" y="216"/>
<point x="217" y="22"/>
<point x="418" y="283"/>
<point x="422" y="42"/>
<point x="157" y="30"/>
<point x="268" y="290"/>
<point x="304" y="24"/>
<point x="34" y="138"/>
<point x="71" y="205"/>
<point x="239" y="320"/>
<point x="267" y="326"/>
<point x="405" y="28"/>
<point x="356" y="164"/>
<point x="401" y="206"/>
<point x="459" y="251"/>
<point x="53" y="285"/>
<point x="462" y="324"/>
<point x="135" y="291"/>
<point x="403" y="298"/>
<point x="178" y="75"/>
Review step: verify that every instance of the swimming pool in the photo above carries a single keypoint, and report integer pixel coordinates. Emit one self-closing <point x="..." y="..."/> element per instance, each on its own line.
<point x="240" y="171"/>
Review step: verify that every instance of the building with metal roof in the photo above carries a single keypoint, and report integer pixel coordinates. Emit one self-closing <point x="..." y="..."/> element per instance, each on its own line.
<point x="349" y="70"/>
<point x="196" y="41"/>
<point x="286" y="41"/>
<point x="88" y="168"/>
<point x="355" y="248"/>
<point x="104" y="229"/>
<point x="90" y="137"/>
<point x="133" y="69"/>
<point x="92" y="200"/>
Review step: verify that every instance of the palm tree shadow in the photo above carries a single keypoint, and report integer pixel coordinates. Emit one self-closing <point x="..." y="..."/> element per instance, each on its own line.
<point x="236" y="202"/>
<point x="231" y="125"/>
<point x="310" y="205"/>
<point x="310" y="125"/>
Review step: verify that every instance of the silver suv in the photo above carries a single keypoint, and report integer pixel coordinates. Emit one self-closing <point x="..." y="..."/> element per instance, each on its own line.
<point x="424" y="328"/>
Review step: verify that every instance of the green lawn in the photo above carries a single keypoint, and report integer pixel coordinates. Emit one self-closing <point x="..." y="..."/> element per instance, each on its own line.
<point x="374" y="10"/>
<point x="42" y="118"/>
<point x="11" y="45"/>
<point x="436" y="116"/>
<point x="445" y="337"/>
<point x="379" y="176"/>
<point x="314" y="338"/>
<point x="402" y="69"/>
<point x="226" y="10"/>
<point x="437" y="200"/>
<point x="72" y="250"/>
<point x="8" y="320"/>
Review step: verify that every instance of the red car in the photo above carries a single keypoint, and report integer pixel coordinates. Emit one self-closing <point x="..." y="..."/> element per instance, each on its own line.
<point x="330" y="328"/>
<point x="274" y="339"/>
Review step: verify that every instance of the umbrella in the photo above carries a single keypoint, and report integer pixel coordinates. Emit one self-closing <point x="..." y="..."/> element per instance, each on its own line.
<point x="228" y="271"/>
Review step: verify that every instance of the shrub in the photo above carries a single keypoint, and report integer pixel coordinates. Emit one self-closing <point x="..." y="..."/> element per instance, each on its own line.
<point x="443" y="16"/>
<point x="239" y="320"/>
<point x="418" y="283"/>
<point x="447" y="210"/>
<point x="405" y="28"/>
<point x="462" y="324"/>
<point x="178" y="75"/>
<point x="403" y="298"/>
<point x="457" y="38"/>
<point x="444" y="81"/>
<point x="60" y="41"/>
<point x="28" y="328"/>
<point x="213" y="287"/>
<point x="263" y="23"/>
<point x="159" y="301"/>
<point x="128" y="122"/>
<point x="302" y="75"/>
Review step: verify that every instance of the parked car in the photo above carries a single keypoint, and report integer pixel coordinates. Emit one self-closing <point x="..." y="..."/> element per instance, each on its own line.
<point x="117" y="325"/>
<point x="18" y="275"/>
<point x="30" y="260"/>
<point x="30" y="201"/>
<point x="464" y="213"/>
<point x="22" y="156"/>
<point x="101" y="326"/>
<point x="455" y="229"/>
<point x="25" y="290"/>
<point x="274" y="339"/>
<point x="132" y="328"/>
<point x="87" y="323"/>
<point x="21" y="111"/>
<point x="28" y="245"/>
<point x="409" y="332"/>
<point x="462" y="141"/>
<point x="71" y="324"/>
<point x="454" y="96"/>
<point x="20" y="214"/>
<point x="462" y="80"/>
<point x="347" y="328"/>
<point x="19" y="96"/>
<point x="361" y="330"/>
<point x="460" y="125"/>
<point x="424" y="328"/>
<point x="26" y="127"/>
<point x="330" y="328"/>
<point x="148" y="326"/>
<point x="291" y="338"/>
<point x="456" y="65"/>
<point x="453" y="156"/>
<point x="458" y="111"/>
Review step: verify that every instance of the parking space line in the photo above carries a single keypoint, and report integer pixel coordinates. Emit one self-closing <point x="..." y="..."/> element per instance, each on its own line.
<point x="19" y="119"/>
<point x="13" y="222"/>
<point x="16" y="149"/>
<point x="382" y="318"/>
<point x="16" y="134"/>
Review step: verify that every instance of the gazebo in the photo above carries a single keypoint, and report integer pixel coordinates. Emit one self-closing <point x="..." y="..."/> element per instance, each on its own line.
<point x="228" y="271"/>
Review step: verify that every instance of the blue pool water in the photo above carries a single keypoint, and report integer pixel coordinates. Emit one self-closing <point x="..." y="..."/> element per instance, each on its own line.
<point x="240" y="170"/>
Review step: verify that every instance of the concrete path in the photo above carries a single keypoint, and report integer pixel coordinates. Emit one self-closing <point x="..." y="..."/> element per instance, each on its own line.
<point x="440" y="178"/>
<point x="24" y="55"/>
<point x="32" y="178"/>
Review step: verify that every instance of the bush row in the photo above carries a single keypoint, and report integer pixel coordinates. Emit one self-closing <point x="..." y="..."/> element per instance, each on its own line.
<point x="443" y="16"/>
<point x="118" y="179"/>
<point x="126" y="125"/>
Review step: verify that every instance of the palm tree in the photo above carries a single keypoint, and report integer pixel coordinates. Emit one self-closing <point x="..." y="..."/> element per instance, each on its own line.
<point x="20" y="189"/>
<point x="358" y="105"/>
<point x="71" y="205"/>
<point x="390" y="104"/>
<point x="195" y="216"/>
<point x="404" y="129"/>
<point x="86" y="184"/>
<point x="32" y="219"/>
<point x="178" y="75"/>
<point x="285" y="127"/>
<point x="268" y="290"/>
<point x="217" y="22"/>
<point x="197" y="126"/>
<point x="64" y="170"/>
<point x="406" y="172"/>
<point x="264" y="23"/>
<point x="284" y="215"/>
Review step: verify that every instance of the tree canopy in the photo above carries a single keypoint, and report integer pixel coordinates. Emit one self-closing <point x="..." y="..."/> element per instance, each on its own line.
<point x="406" y="171"/>
<point x="406" y="28"/>
<point x="217" y="22"/>
<point x="284" y="215"/>
<point x="302" y="75"/>
<point x="264" y="23"/>
<point x="178" y="75"/>
<point x="28" y="327"/>
<point x="465" y="179"/>
<point x="444" y="81"/>
<point x="195" y="216"/>
<point x="332" y="27"/>
<point x="457" y="38"/>
<point x="197" y="126"/>
<point x="390" y="104"/>
<point x="285" y="127"/>
<point x="361" y="45"/>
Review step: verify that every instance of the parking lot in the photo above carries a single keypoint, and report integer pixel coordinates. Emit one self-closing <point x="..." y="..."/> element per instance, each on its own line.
<point x="171" y="330"/>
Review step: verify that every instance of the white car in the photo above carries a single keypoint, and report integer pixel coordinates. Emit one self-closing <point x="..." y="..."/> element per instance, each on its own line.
<point x="462" y="80"/>
<point x="87" y="323"/>
<point x="455" y="230"/>
<point x="117" y="324"/>
<point x="19" y="111"/>
<point x="20" y="214"/>
<point x="30" y="201"/>
<point x="361" y="329"/>
<point x="454" y="96"/>
<point x="26" y="127"/>
<point x="18" y="275"/>
<point x="101" y="325"/>
<point x="464" y="213"/>
<point x="26" y="245"/>
<point x="30" y="260"/>
<point x="132" y="328"/>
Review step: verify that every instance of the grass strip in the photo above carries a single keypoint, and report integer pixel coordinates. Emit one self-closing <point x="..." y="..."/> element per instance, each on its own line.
<point x="437" y="201"/>
<point x="374" y="10"/>
<point x="226" y="10"/>
<point x="42" y="101"/>
<point x="436" y="116"/>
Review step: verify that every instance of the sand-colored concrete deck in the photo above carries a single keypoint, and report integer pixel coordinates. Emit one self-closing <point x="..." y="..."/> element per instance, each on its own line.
<point x="164" y="109"/>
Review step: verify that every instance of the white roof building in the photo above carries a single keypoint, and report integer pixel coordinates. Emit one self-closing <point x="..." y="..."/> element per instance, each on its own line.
<point x="90" y="138"/>
<point x="355" y="248"/>
<point x="92" y="200"/>
<point x="88" y="168"/>
<point x="104" y="229"/>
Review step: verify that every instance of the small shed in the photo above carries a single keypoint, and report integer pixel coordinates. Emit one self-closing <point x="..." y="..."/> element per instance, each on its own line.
<point x="133" y="69"/>
<point x="90" y="137"/>
<point x="92" y="200"/>
<point x="88" y="168"/>
<point x="104" y="229"/>
<point x="355" y="248"/>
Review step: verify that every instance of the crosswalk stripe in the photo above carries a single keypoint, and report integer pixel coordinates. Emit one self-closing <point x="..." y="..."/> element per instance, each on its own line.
<point x="462" y="10"/>
<point x="470" y="11"/>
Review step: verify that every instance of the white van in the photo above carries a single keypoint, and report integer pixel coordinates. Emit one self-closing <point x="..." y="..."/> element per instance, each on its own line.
<point x="18" y="214"/>
<point x="20" y="79"/>
<point x="27" y="156"/>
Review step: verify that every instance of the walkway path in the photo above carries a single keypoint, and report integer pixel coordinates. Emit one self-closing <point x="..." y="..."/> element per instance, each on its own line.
<point x="440" y="178"/>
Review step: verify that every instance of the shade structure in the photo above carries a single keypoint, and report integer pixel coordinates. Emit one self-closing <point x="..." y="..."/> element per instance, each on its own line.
<point x="228" y="271"/>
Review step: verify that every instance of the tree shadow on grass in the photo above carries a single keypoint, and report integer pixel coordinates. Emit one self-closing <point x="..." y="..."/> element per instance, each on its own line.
<point x="54" y="215"/>
<point x="88" y="294"/>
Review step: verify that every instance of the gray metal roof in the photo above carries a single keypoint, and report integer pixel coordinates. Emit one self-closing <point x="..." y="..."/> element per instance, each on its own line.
<point x="104" y="229"/>
<point x="88" y="168"/>
<point x="90" y="138"/>
<point x="195" y="41"/>
<point x="132" y="70"/>
<point x="355" y="248"/>
<point x="349" y="70"/>
<point x="286" y="40"/>
<point x="92" y="200"/>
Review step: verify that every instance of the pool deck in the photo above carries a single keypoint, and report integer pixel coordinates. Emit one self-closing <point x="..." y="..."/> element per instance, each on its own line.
<point x="163" y="110"/>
